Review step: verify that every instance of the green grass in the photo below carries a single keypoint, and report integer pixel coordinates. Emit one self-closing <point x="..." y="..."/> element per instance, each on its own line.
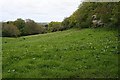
<point x="87" y="53"/>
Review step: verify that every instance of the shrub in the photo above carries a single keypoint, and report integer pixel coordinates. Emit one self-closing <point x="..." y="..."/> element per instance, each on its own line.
<point x="54" y="26"/>
<point x="10" y="30"/>
<point x="32" y="28"/>
<point x="20" y="24"/>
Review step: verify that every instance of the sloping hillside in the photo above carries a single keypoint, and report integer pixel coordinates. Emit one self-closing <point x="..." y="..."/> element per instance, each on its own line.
<point x="86" y="53"/>
<point x="108" y="13"/>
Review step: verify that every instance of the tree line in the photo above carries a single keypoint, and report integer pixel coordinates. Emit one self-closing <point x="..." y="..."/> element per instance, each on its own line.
<point x="21" y="27"/>
<point x="26" y="27"/>
<point x="106" y="13"/>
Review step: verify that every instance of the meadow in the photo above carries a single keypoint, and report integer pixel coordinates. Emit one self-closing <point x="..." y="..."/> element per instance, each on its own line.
<point x="74" y="53"/>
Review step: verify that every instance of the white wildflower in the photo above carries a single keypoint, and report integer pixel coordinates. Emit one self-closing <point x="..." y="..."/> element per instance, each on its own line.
<point x="33" y="58"/>
<point x="13" y="70"/>
<point x="9" y="71"/>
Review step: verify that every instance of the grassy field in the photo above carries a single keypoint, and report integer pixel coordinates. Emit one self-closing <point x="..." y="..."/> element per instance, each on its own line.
<point x="86" y="53"/>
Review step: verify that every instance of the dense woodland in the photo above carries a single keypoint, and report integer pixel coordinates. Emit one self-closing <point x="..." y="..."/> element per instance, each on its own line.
<point x="88" y="15"/>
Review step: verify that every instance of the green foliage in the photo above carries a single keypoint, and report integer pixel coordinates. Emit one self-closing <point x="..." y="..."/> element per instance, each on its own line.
<point x="33" y="28"/>
<point x="10" y="30"/>
<point x="22" y="28"/>
<point x="65" y="23"/>
<point x="82" y="17"/>
<point x="30" y="27"/>
<point x="69" y="22"/>
<point x="20" y="24"/>
<point x="86" y="53"/>
<point x="55" y="26"/>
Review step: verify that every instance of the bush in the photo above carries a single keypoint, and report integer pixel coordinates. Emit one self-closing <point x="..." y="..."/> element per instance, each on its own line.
<point x="10" y="30"/>
<point x="22" y="28"/>
<point x="84" y="25"/>
<point x="55" y="26"/>
<point x="32" y="28"/>
<point x="20" y="24"/>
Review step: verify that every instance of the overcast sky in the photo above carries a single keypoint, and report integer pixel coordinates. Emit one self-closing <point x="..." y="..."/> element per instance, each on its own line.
<point x="38" y="10"/>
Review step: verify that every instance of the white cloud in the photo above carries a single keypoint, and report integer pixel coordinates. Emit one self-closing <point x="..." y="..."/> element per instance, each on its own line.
<point x="38" y="10"/>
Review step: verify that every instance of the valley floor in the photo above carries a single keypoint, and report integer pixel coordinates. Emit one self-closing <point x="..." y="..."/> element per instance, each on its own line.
<point x="86" y="53"/>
